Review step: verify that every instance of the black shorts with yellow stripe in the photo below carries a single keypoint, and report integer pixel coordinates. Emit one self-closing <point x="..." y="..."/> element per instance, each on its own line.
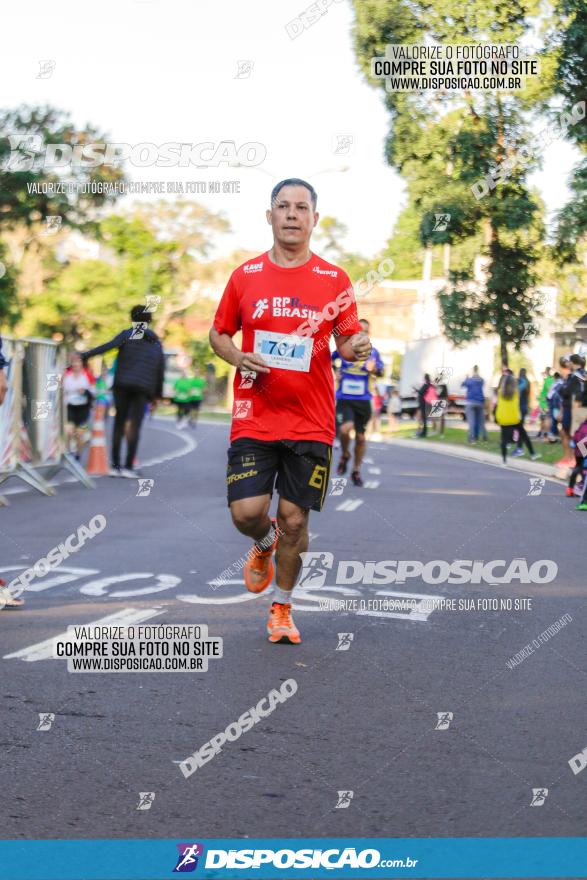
<point x="297" y="469"/>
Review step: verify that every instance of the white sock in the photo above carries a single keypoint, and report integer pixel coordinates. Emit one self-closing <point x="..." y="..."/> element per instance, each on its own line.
<point x="266" y="542"/>
<point x="282" y="597"/>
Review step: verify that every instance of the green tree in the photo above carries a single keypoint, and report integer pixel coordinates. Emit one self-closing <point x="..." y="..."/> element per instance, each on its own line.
<point x="570" y="30"/>
<point x="84" y="305"/>
<point x="26" y="202"/>
<point x="442" y="144"/>
<point x="330" y="234"/>
<point x="23" y="173"/>
<point x="8" y="289"/>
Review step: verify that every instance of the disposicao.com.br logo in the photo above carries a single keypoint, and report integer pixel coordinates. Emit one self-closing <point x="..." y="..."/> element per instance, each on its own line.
<point x="29" y="152"/>
<point x="284" y="858"/>
<point x="317" y="565"/>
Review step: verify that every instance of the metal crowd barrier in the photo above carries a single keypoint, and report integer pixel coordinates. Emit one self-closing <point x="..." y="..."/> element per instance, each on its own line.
<point x="33" y="444"/>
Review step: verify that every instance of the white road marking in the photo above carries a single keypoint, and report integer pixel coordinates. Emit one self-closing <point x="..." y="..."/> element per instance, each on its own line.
<point x="313" y="535"/>
<point x="189" y="445"/>
<point x="368" y="460"/>
<point x="310" y="598"/>
<point x="374" y="470"/>
<point x="44" y="650"/>
<point x="372" y="484"/>
<point x="418" y="614"/>
<point x="61" y="479"/>
<point x="68" y="574"/>
<point x="349" y="505"/>
<point x="98" y="587"/>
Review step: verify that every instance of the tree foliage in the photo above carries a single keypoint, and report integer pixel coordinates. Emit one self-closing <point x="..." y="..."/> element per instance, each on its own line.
<point x="444" y="143"/>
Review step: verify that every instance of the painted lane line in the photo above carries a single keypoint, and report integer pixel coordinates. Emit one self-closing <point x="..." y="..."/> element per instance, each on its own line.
<point x="372" y="484"/>
<point x="98" y="587"/>
<point x="68" y="574"/>
<point x="44" y="650"/>
<point x="349" y="505"/>
<point x="420" y="612"/>
<point x="189" y="444"/>
<point x="374" y="470"/>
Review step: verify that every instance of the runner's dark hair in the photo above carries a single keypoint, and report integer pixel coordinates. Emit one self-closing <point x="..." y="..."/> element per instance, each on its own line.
<point x="140" y="313"/>
<point x="295" y="181"/>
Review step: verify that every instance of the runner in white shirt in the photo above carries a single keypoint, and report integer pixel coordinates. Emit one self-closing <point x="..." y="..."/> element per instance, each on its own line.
<point x="78" y="391"/>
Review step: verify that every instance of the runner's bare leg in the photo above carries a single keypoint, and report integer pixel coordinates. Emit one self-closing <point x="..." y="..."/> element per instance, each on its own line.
<point x="251" y="516"/>
<point x="360" y="446"/>
<point x="344" y="435"/>
<point x="293" y="540"/>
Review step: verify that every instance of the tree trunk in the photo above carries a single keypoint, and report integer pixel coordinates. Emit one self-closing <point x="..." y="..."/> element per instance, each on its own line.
<point x="504" y="351"/>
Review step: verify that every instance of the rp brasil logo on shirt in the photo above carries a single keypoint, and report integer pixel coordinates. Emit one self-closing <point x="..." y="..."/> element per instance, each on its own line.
<point x="187" y="860"/>
<point x="284" y="307"/>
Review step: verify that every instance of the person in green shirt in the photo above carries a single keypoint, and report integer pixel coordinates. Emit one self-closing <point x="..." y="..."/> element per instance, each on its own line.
<point x="543" y="404"/>
<point x="182" y="399"/>
<point x="197" y="388"/>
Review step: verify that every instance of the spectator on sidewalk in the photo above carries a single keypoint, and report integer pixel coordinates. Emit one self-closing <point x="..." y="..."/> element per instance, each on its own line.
<point x="578" y="390"/>
<point x="524" y="390"/>
<point x="427" y="395"/>
<point x="543" y="405"/>
<point x="509" y="417"/>
<point x="138" y="380"/>
<point x="565" y="392"/>
<point x="442" y="389"/>
<point x="554" y="407"/>
<point x="474" y="405"/>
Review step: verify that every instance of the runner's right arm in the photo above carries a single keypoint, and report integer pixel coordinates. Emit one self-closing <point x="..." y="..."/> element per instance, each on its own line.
<point x="225" y="348"/>
<point x="226" y="323"/>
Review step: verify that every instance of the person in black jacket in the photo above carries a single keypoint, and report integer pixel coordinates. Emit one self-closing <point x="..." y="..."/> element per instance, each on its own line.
<point x="138" y="378"/>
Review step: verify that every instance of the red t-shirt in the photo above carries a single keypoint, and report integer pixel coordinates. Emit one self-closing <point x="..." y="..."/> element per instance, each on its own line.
<point x="309" y="302"/>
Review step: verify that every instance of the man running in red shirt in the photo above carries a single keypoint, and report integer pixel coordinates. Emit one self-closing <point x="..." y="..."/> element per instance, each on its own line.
<point x="287" y="302"/>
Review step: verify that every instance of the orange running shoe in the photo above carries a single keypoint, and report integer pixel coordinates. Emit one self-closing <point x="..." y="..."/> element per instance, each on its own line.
<point x="280" y="625"/>
<point x="259" y="568"/>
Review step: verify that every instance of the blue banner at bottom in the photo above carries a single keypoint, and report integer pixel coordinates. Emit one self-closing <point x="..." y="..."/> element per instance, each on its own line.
<point x="273" y="858"/>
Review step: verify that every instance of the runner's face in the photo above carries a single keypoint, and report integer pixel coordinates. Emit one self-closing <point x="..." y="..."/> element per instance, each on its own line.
<point x="291" y="216"/>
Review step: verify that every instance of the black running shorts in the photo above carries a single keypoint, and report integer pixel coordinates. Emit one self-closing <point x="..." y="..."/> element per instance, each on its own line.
<point x="78" y="414"/>
<point x="297" y="469"/>
<point x="356" y="411"/>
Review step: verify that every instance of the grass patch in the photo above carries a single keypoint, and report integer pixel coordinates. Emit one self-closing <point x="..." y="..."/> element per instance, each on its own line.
<point x="550" y="452"/>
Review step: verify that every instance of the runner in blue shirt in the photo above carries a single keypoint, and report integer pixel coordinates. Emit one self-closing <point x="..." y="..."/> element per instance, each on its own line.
<point x="353" y="405"/>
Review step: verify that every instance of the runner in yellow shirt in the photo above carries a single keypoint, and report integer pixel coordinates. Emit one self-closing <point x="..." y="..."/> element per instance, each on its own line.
<point x="508" y="415"/>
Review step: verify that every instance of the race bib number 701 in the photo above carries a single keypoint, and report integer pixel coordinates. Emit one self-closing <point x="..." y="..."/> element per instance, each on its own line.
<point x="284" y="351"/>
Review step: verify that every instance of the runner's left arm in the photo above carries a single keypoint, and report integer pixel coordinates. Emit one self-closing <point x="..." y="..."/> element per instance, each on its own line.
<point x="354" y="346"/>
<point x="118" y="340"/>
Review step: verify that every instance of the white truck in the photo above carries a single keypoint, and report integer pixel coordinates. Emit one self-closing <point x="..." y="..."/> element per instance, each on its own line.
<point x="437" y="356"/>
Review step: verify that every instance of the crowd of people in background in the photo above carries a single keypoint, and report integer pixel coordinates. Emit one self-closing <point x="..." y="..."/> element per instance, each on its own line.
<point x="560" y="413"/>
<point x="134" y="384"/>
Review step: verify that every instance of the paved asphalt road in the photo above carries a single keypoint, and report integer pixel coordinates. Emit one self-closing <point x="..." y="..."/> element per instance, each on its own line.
<point x="363" y="719"/>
